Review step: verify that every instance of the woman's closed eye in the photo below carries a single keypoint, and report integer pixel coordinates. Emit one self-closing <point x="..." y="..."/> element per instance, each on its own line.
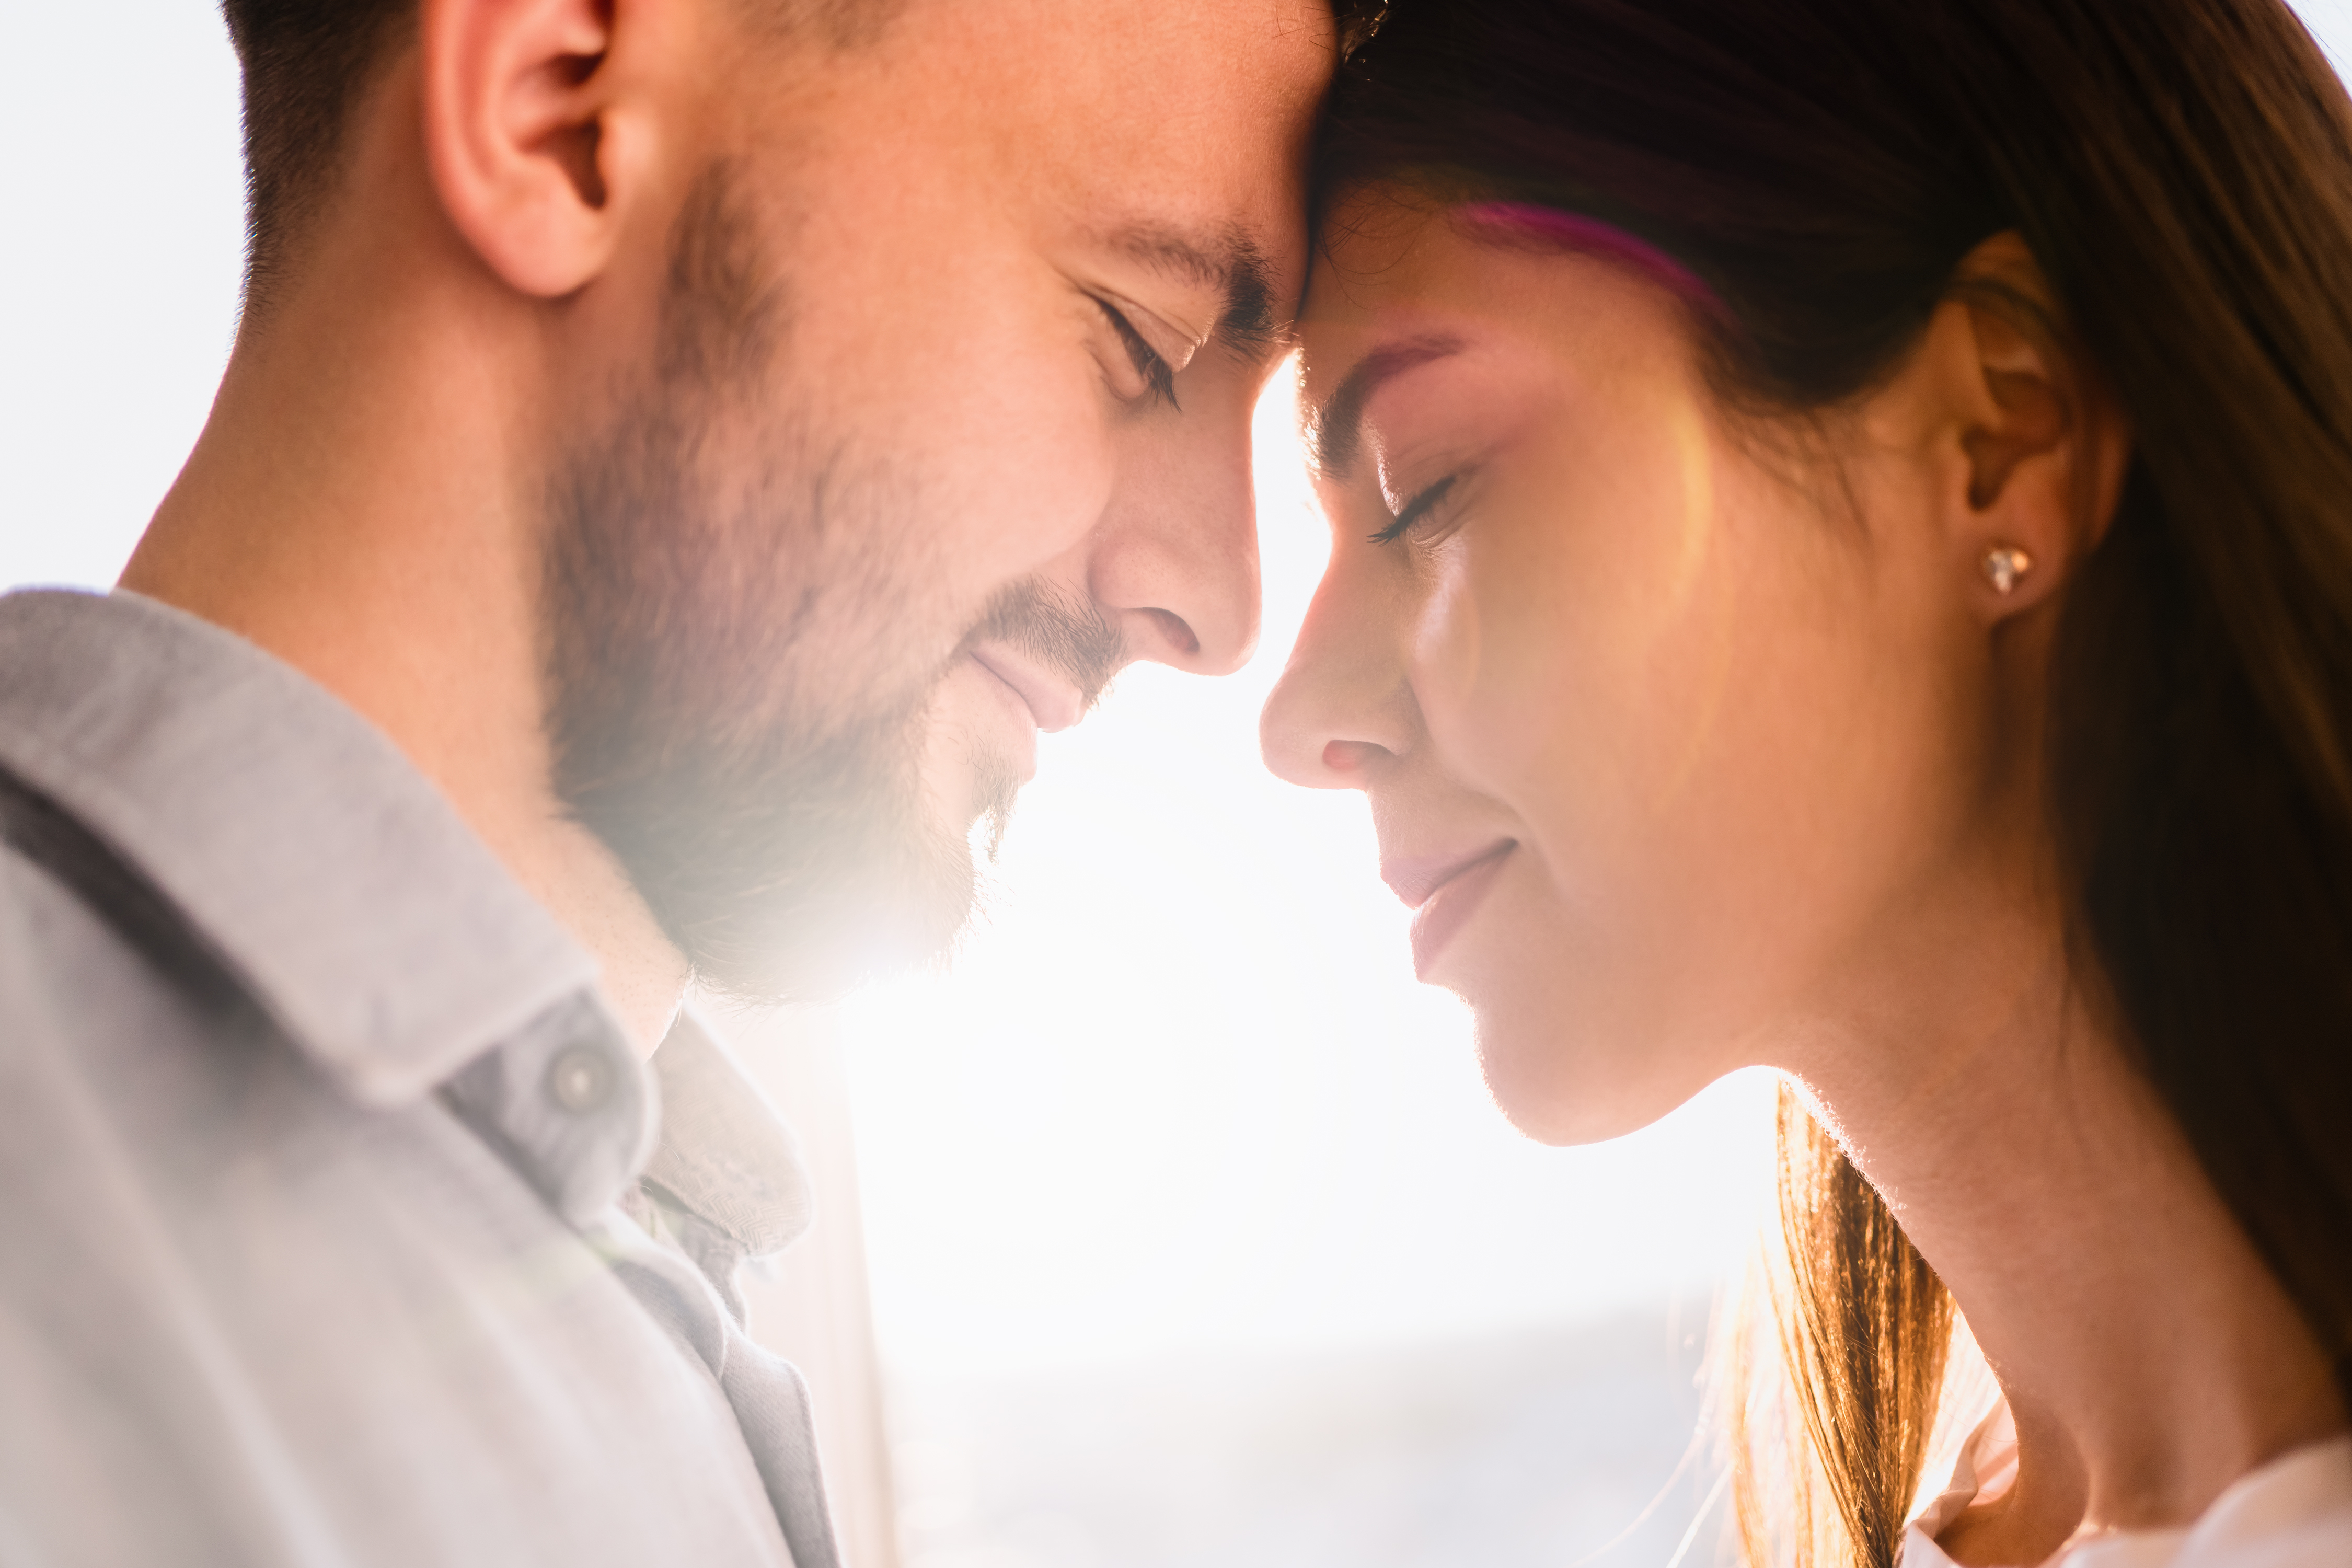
<point x="1416" y="511"/>
<point x="1159" y="377"/>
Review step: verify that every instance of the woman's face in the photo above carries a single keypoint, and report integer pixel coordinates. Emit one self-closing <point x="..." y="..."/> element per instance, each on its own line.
<point x="1664" y="748"/>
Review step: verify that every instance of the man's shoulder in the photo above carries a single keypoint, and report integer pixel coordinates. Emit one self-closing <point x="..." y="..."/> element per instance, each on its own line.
<point x="98" y="1040"/>
<point x="62" y="964"/>
<point x="216" y="1264"/>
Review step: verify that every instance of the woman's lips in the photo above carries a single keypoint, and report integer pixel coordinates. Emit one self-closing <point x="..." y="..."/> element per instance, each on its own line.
<point x="1443" y="893"/>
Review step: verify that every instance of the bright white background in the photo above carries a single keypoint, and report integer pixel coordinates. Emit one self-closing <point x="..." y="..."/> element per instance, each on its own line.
<point x="1180" y="1091"/>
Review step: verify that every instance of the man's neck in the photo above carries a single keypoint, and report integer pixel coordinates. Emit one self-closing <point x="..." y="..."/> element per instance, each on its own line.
<point x="359" y="505"/>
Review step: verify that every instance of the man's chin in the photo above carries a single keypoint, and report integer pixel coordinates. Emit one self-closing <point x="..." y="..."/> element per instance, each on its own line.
<point x="826" y="968"/>
<point x="919" y="922"/>
<point x="824" y="947"/>
<point x="985" y="835"/>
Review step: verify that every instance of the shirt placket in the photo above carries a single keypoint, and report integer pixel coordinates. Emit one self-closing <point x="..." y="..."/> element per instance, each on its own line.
<point x="566" y="1103"/>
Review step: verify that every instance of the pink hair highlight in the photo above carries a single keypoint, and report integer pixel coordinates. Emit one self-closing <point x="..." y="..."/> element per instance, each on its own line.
<point x="1590" y="237"/>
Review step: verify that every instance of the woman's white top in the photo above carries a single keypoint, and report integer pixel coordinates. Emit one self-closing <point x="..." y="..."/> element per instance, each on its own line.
<point x="2294" y="1512"/>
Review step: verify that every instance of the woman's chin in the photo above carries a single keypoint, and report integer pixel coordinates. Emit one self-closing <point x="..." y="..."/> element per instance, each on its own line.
<point x="1561" y="1087"/>
<point x="1585" y="1036"/>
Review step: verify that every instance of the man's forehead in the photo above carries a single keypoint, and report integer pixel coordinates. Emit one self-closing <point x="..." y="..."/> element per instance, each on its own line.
<point x="1258" y="41"/>
<point x="1206" y="104"/>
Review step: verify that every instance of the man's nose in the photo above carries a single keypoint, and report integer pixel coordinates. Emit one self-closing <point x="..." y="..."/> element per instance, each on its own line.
<point x="1175" y="562"/>
<point x="1342" y="708"/>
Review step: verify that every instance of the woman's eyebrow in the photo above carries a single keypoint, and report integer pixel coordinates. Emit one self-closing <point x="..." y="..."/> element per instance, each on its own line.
<point x="1334" y="431"/>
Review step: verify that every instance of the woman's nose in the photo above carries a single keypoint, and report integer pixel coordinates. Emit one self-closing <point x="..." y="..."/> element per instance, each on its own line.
<point x="1341" y="708"/>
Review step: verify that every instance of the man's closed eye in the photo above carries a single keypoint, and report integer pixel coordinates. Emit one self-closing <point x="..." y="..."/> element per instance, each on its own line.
<point x="1159" y="377"/>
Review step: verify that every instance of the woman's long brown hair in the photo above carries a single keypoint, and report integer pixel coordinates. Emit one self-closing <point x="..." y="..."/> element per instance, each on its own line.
<point x="1862" y="1327"/>
<point x="2182" y="170"/>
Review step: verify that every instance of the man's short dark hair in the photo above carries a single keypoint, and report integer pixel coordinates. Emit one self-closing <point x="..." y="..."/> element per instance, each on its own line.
<point x="306" y="63"/>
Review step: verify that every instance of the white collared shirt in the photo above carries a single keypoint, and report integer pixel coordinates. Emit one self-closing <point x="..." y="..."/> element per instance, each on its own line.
<point x="326" y="1172"/>
<point x="2294" y="1512"/>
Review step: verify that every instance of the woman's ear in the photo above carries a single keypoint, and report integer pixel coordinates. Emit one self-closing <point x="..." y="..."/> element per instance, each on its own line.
<point x="2024" y="451"/>
<point x="535" y="134"/>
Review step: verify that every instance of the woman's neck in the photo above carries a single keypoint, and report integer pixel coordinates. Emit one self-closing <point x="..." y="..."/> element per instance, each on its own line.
<point x="2149" y="1356"/>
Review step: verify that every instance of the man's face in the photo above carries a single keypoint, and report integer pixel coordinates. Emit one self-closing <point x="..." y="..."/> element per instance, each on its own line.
<point x="941" y="416"/>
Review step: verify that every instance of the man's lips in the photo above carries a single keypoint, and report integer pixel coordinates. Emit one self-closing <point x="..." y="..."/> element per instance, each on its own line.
<point x="1444" y="892"/>
<point x="1052" y="703"/>
<point x="1020" y="725"/>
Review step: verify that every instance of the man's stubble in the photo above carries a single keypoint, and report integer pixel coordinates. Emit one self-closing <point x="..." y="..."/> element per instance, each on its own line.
<point x="740" y="667"/>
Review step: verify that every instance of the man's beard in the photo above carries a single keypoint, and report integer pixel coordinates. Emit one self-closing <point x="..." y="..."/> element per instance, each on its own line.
<point x="738" y="690"/>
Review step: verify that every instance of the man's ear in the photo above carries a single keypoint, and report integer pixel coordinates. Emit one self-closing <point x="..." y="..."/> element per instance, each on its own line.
<point x="534" y="144"/>
<point x="2026" y="451"/>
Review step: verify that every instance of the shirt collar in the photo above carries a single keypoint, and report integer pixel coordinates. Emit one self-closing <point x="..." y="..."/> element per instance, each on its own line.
<point x="725" y="1154"/>
<point x="2305" y="1490"/>
<point x="1984" y="1468"/>
<point x="329" y="875"/>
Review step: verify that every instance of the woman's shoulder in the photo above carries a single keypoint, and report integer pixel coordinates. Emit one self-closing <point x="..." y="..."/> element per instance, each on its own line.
<point x="2292" y="1512"/>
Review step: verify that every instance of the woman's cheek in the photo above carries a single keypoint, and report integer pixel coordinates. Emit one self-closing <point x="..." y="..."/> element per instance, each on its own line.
<point x="1448" y="656"/>
<point x="1491" y="668"/>
<point x="1575" y="657"/>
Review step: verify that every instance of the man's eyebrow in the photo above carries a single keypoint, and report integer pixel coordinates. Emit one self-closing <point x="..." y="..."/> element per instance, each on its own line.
<point x="1336" y="430"/>
<point x="1232" y="263"/>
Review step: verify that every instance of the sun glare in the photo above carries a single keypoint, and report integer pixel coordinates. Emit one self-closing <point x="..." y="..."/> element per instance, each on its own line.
<point x="1181" y="1089"/>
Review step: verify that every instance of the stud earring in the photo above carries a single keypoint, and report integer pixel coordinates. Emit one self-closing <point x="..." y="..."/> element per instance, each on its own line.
<point x="2005" y="566"/>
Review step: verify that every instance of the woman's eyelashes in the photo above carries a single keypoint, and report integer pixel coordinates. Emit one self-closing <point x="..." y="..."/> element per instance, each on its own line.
<point x="1158" y="375"/>
<point x="1416" y="511"/>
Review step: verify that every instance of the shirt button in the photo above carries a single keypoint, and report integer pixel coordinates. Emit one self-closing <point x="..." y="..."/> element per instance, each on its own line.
<point x="580" y="1078"/>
